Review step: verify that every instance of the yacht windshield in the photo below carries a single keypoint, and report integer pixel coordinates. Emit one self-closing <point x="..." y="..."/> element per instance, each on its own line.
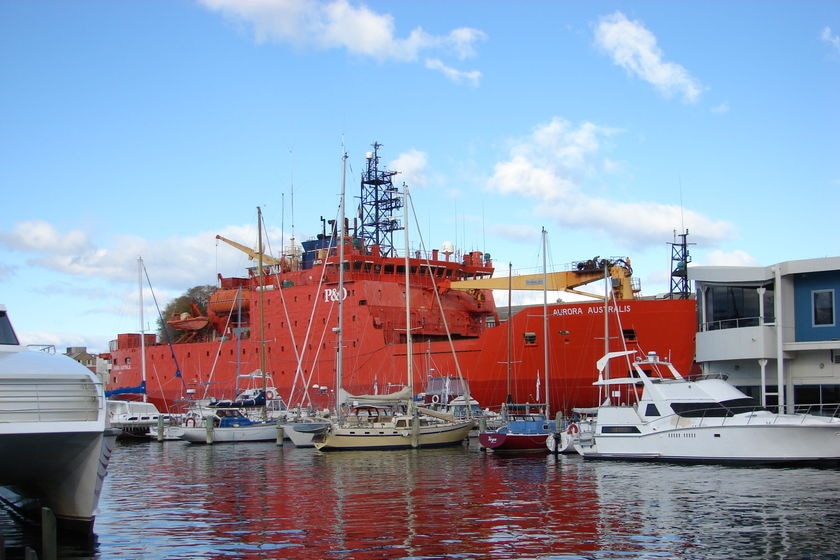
<point x="715" y="409"/>
<point x="7" y="333"/>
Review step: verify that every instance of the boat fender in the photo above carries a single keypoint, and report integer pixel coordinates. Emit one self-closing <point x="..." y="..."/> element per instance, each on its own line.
<point x="435" y="399"/>
<point x="270" y="395"/>
<point x="573" y="429"/>
<point x="189" y="422"/>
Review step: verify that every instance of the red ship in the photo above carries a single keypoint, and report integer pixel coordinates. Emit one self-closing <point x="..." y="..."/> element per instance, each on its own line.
<point x="282" y="320"/>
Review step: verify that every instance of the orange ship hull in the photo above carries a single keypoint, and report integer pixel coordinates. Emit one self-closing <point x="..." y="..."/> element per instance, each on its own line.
<point x="301" y="357"/>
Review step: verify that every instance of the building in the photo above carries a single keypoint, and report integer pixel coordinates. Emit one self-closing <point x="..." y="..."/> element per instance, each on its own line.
<point x="771" y="327"/>
<point x="94" y="362"/>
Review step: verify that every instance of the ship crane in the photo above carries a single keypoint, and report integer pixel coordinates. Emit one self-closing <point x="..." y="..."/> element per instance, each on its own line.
<point x="585" y="272"/>
<point x="267" y="260"/>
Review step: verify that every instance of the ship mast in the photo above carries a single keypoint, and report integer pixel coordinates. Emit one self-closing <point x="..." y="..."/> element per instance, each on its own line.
<point x="378" y="204"/>
<point x="680" y="286"/>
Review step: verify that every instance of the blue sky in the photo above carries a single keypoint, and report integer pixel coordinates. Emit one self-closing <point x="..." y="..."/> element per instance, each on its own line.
<point x="146" y="128"/>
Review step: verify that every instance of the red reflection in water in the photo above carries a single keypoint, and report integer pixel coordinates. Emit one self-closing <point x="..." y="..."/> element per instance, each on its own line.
<point x="258" y="501"/>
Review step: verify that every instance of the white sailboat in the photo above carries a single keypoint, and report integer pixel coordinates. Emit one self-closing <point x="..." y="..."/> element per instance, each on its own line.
<point x="375" y="422"/>
<point x="230" y="424"/>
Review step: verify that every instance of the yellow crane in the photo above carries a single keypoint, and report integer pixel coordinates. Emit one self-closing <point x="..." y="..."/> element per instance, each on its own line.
<point x="587" y="272"/>
<point x="267" y="260"/>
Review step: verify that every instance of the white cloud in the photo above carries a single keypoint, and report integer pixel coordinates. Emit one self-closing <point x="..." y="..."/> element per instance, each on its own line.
<point x="523" y="233"/>
<point x="357" y="29"/>
<point x="732" y="258"/>
<point x="195" y="261"/>
<point x="412" y="168"/>
<point x="551" y="165"/>
<point x="548" y="164"/>
<point x="830" y="38"/>
<point x="634" y="48"/>
<point x="472" y="77"/>
<point x="40" y="236"/>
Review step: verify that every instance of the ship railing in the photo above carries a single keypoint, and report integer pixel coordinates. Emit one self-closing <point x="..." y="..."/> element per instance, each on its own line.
<point x="825" y="409"/>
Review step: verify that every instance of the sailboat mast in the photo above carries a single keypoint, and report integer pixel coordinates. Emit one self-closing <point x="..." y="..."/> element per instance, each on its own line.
<point x="238" y="335"/>
<point x="509" y="333"/>
<point x="261" y="288"/>
<point x="339" y="351"/>
<point x="606" y="319"/>
<point x="142" y="328"/>
<point x="408" y="345"/>
<point x="545" y="327"/>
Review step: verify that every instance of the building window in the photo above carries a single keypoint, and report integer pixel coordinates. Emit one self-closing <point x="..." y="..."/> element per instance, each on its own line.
<point x="823" y="308"/>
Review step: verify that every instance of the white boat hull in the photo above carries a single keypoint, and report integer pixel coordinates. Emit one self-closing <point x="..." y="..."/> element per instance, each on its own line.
<point x="54" y="438"/>
<point x="69" y="482"/>
<point x="803" y="439"/>
<point x="259" y="432"/>
<point x="304" y="437"/>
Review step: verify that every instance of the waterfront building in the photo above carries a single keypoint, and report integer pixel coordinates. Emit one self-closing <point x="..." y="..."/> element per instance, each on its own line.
<point x="772" y="326"/>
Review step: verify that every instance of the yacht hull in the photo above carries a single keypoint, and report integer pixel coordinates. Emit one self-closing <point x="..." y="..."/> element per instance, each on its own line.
<point x="802" y="442"/>
<point x="371" y="438"/>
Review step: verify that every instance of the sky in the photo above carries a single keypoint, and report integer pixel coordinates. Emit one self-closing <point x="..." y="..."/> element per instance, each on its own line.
<point x="142" y="129"/>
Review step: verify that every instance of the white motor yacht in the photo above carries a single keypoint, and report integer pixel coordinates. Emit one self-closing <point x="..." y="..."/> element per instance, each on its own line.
<point x="653" y="412"/>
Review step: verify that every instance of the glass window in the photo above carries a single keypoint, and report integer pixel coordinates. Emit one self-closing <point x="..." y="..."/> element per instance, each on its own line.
<point x="823" y="308"/>
<point x="714" y="409"/>
<point x="769" y="305"/>
<point x="732" y="306"/>
<point x="7" y="333"/>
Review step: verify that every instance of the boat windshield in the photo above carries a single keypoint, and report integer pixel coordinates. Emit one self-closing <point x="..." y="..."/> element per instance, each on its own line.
<point x="7" y="333"/>
<point x="715" y="409"/>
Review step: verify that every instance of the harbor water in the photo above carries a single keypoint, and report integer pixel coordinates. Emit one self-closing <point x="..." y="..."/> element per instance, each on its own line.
<point x="176" y="500"/>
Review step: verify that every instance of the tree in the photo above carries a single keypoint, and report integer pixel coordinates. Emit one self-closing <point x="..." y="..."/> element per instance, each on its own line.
<point x="193" y="301"/>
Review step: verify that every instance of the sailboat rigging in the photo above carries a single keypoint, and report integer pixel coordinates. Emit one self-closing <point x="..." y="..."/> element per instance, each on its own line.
<point x="229" y="424"/>
<point x="393" y="421"/>
<point x="524" y="429"/>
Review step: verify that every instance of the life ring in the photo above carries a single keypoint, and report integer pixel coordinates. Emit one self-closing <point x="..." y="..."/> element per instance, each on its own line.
<point x="435" y="399"/>
<point x="189" y="422"/>
<point x="573" y="429"/>
<point x="270" y="395"/>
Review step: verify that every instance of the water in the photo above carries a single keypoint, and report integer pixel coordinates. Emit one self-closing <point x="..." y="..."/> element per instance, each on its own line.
<point x="176" y="500"/>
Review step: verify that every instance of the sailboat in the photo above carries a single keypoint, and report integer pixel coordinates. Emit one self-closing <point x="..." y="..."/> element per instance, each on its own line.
<point x="525" y="427"/>
<point x="230" y="424"/>
<point x="391" y="421"/>
<point x="133" y="419"/>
